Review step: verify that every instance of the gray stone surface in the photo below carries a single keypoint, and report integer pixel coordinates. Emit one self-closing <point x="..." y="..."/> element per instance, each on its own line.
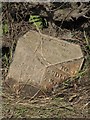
<point x="44" y="61"/>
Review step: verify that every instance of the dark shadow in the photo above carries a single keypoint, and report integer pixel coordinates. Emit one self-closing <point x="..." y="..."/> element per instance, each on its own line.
<point x="71" y="25"/>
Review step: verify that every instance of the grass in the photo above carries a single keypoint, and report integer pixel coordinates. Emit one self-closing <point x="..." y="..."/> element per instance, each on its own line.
<point x="54" y="108"/>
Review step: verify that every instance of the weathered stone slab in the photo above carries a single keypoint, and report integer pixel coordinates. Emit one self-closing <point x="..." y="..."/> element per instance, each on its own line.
<point x="44" y="61"/>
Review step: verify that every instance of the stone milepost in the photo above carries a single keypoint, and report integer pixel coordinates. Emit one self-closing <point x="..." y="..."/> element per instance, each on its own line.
<point x="43" y="61"/>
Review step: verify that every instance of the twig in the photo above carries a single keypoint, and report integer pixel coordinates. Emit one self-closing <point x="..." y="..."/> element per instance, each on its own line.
<point x="86" y="16"/>
<point x="86" y="38"/>
<point x="58" y="7"/>
<point x="35" y="95"/>
<point x="41" y="35"/>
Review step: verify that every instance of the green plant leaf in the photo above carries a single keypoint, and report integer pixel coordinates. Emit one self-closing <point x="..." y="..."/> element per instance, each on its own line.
<point x="38" y="21"/>
<point x="5" y="28"/>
